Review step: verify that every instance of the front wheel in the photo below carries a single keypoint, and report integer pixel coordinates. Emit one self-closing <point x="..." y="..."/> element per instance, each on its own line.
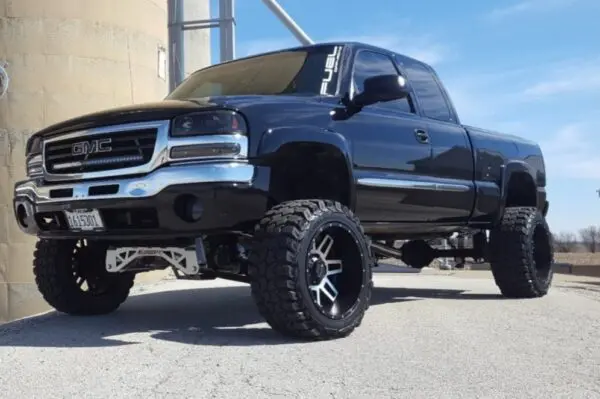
<point x="311" y="269"/>
<point x="72" y="278"/>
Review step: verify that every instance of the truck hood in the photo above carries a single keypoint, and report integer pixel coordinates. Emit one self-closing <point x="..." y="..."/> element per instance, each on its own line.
<point x="153" y="111"/>
<point x="159" y="110"/>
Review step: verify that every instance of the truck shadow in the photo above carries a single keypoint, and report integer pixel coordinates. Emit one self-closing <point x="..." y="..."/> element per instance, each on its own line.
<point x="223" y="316"/>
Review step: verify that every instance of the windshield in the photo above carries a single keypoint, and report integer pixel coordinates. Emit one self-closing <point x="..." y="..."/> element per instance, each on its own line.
<point x="312" y="71"/>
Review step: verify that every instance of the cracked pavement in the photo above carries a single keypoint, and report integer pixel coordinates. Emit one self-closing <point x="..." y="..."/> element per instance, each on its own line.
<point x="442" y="335"/>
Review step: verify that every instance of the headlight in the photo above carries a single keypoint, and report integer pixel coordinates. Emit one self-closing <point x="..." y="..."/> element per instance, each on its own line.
<point x="34" y="146"/>
<point x="208" y="122"/>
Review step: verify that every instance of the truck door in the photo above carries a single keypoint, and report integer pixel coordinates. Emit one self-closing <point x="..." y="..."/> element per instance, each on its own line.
<point x="390" y="153"/>
<point x="451" y="166"/>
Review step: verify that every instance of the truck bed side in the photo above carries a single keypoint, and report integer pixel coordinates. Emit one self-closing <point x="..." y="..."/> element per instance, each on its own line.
<point x="507" y="168"/>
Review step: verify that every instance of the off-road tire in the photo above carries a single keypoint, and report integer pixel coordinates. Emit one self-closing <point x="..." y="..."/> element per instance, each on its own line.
<point x="277" y="268"/>
<point x="53" y="267"/>
<point x="521" y="253"/>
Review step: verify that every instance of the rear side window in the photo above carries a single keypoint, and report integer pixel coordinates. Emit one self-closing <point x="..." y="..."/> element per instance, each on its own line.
<point x="369" y="63"/>
<point x="428" y="92"/>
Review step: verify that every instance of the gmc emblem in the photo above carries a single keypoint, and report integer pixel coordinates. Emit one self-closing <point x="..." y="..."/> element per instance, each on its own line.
<point x="91" y="147"/>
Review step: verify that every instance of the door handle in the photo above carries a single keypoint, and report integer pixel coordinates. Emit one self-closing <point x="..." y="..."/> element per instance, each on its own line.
<point x="422" y="136"/>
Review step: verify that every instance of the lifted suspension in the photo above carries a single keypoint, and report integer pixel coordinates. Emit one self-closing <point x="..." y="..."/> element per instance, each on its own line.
<point x="187" y="263"/>
<point x="419" y="253"/>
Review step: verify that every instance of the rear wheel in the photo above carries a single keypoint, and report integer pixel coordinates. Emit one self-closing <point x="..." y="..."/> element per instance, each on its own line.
<point x="72" y="278"/>
<point x="310" y="269"/>
<point x="521" y="253"/>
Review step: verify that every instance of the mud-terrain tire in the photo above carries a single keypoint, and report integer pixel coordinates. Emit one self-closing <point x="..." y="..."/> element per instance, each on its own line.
<point x="521" y="253"/>
<point x="62" y="266"/>
<point x="286" y="269"/>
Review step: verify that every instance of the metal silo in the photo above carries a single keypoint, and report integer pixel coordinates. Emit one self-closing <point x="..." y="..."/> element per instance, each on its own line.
<point x="65" y="58"/>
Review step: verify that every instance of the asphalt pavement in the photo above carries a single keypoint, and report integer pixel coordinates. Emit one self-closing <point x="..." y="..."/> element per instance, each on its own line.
<point x="428" y="335"/>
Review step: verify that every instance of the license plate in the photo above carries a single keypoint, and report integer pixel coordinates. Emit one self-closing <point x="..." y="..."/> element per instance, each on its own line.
<point x="84" y="220"/>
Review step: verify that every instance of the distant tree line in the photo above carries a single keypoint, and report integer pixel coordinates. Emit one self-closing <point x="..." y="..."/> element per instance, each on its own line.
<point x="587" y="240"/>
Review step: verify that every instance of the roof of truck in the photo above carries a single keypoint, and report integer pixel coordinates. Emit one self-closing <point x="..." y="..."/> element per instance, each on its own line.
<point x="332" y="43"/>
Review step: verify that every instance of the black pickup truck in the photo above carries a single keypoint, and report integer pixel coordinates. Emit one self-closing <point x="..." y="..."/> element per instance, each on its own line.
<point x="292" y="171"/>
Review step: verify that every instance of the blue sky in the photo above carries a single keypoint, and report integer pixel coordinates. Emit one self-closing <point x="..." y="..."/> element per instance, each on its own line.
<point x="526" y="67"/>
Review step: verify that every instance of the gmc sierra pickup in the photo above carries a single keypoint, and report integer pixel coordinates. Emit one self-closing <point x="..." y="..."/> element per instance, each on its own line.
<point x="292" y="171"/>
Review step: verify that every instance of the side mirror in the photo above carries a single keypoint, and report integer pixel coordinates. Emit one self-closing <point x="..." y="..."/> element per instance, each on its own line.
<point x="381" y="88"/>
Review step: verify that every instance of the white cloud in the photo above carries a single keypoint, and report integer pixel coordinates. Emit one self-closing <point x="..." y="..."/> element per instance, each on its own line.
<point x="570" y="153"/>
<point x="525" y="6"/>
<point x="481" y="97"/>
<point x="484" y="96"/>
<point x="422" y="48"/>
<point x="251" y="47"/>
<point x="574" y="76"/>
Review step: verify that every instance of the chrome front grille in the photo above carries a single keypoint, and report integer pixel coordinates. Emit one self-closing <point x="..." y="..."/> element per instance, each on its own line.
<point x="108" y="151"/>
<point x="124" y="150"/>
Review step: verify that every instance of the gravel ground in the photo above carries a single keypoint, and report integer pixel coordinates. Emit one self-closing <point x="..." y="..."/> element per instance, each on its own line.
<point x="429" y="335"/>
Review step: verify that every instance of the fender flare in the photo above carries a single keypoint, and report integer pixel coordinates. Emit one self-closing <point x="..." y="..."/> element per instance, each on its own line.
<point x="273" y="140"/>
<point x="508" y="170"/>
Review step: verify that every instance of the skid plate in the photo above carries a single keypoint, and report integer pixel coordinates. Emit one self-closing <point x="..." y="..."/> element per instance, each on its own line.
<point x="187" y="260"/>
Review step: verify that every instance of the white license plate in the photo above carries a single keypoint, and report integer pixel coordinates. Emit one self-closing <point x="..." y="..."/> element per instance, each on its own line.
<point x="84" y="220"/>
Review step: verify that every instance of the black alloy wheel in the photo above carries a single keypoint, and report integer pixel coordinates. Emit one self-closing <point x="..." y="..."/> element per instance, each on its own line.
<point x="311" y="269"/>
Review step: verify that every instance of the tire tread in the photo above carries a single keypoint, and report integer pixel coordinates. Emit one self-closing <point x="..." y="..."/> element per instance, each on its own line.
<point x="512" y="254"/>
<point x="51" y="268"/>
<point x="274" y="272"/>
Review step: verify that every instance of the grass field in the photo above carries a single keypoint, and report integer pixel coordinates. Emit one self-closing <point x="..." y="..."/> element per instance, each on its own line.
<point x="578" y="258"/>
<point x="574" y="263"/>
<point x="581" y="263"/>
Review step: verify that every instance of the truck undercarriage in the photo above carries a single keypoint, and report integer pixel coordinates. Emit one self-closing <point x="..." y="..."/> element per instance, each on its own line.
<point x="226" y="255"/>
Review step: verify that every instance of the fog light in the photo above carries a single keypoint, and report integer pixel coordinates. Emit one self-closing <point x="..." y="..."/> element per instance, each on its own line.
<point x="22" y="215"/>
<point x="189" y="208"/>
<point x="205" y="150"/>
<point x="195" y="210"/>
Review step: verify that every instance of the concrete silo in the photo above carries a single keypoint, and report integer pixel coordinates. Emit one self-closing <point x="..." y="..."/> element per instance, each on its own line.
<point x="65" y="58"/>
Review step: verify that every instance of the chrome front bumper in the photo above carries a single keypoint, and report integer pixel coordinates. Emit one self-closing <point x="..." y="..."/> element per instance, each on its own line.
<point x="138" y="187"/>
<point x="157" y="190"/>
